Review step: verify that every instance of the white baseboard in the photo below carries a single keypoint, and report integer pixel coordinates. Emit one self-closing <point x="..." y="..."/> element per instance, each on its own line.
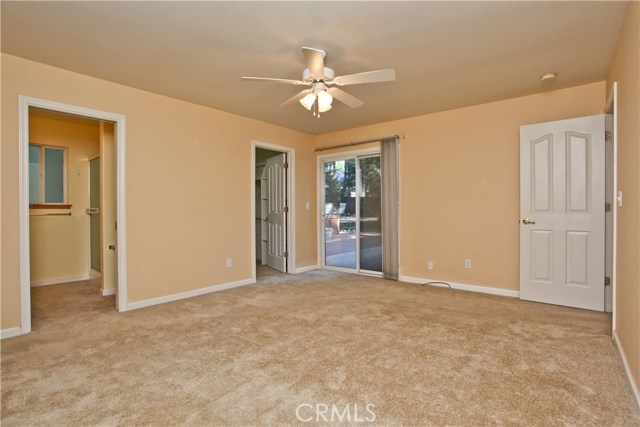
<point x="107" y="292"/>
<point x="61" y="280"/>
<point x="305" y="269"/>
<point x="188" y="294"/>
<point x="10" y="332"/>
<point x="627" y="368"/>
<point x="463" y="286"/>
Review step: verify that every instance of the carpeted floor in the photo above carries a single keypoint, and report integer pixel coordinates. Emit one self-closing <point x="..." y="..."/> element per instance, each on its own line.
<point x="323" y="344"/>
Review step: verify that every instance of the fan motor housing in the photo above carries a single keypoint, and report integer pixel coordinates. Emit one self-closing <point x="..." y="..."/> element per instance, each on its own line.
<point x="308" y="77"/>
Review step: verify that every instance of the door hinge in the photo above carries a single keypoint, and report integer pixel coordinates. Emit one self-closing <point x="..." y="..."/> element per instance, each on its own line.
<point x="607" y="281"/>
<point x="286" y="254"/>
<point x="286" y="165"/>
<point x="286" y="209"/>
<point x="607" y="207"/>
<point x="607" y="135"/>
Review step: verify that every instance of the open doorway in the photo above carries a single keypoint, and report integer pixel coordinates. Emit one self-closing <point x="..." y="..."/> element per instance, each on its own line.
<point x="71" y="191"/>
<point x="272" y="178"/>
<point x="53" y="176"/>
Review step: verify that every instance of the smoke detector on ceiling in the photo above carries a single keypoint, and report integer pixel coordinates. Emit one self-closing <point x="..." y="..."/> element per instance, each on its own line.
<point x="547" y="77"/>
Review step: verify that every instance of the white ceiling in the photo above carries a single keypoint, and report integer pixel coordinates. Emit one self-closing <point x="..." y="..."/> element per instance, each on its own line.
<point x="446" y="54"/>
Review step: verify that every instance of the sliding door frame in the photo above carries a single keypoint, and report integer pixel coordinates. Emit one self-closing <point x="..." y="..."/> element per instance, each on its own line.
<point x="343" y="155"/>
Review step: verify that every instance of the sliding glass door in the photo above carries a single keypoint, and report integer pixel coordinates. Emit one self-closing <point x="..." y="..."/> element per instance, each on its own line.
<point x="369" y="209"/>
<point x="339" y="216"/>
<point x="352" y="237"/>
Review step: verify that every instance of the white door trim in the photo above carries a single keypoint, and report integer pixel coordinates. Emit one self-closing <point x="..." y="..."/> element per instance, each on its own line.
<point x="291" y="191"/>
<point x="24" y="102"/>
<point x="612" y="108"/>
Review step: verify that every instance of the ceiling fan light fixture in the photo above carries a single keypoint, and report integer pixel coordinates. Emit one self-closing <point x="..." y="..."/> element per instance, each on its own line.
<point x="320" y="81"/>
<point x="308" y="101"/>
<point x="325" y="109"/>
<point x="324" y="101"/>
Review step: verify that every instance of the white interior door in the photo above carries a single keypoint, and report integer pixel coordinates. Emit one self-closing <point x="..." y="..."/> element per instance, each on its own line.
<point x="276" y="180"/>
<point x="108" y="208"/>
<point x="562" y="184"/>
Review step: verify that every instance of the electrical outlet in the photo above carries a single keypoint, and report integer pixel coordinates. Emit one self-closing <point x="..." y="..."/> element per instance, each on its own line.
<point x="467" y="263"/>
<point x="229" y="263"/>
<point x="430" y="265"/>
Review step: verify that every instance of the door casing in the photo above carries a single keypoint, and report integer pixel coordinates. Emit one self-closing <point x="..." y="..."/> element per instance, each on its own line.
<point x="24" y="103"/>
<point x="612" y="163"/>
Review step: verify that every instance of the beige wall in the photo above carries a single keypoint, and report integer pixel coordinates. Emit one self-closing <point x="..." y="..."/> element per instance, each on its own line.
<point x="459" y="173"/>
<point x="188" y="183"/>
<point x="60" y="244"/>
<point x="625" y="69"/>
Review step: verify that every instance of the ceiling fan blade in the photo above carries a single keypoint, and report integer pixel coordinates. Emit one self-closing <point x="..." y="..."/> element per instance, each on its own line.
<point x="298" y="96"/>
<point x="268" y="79"/>
<point x="314" y="59"/>
<point x="367" y="77"/>
<point x="345" y="98"/>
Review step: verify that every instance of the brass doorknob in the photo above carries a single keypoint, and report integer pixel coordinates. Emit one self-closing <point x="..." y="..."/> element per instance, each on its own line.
<point x="527" y="221"/>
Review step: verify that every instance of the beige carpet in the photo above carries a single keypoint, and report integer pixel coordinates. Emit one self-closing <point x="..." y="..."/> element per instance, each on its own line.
<point x="253" y="355"/>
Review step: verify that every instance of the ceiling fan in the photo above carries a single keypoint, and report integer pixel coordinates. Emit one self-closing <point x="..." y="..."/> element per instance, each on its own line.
<point x="323" y="83"/>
